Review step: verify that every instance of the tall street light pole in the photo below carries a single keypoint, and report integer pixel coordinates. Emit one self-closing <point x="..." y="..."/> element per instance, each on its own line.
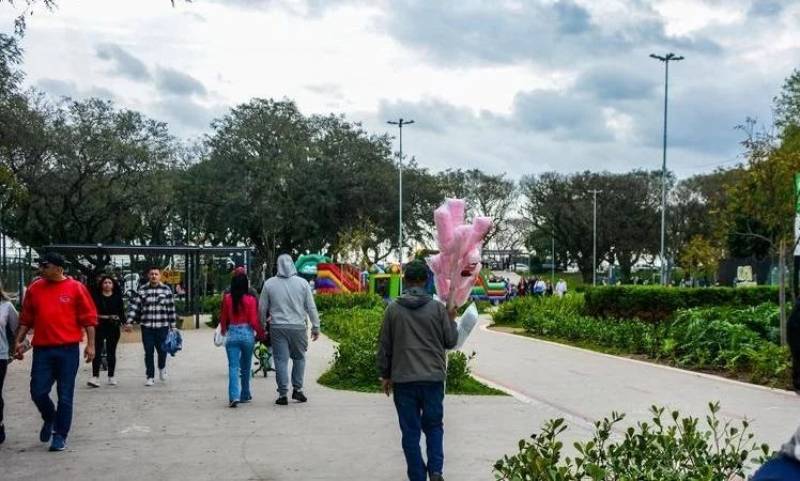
<point x="670" y="57"/>
<point x="400" y="123"/>
<point x="594" y="237"/>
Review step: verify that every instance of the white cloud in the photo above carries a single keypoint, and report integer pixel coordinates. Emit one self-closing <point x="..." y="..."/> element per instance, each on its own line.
<point x="489" y="84"/>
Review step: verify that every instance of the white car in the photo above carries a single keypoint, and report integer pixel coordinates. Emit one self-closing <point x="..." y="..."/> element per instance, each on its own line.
<point x="521" y="268"/>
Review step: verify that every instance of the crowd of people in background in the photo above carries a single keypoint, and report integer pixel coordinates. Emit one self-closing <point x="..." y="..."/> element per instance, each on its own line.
<point x="539" y="286"/>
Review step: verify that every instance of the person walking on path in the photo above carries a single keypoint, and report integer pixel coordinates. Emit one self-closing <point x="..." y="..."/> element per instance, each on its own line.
<point x="287" y="300"/>
<point x="9" y="322"/>
<point x="561" y="288"/>
<point x="110" y="315"/>
<point x="58" y="309"/>
<point x="240" y="324"/>
<point x="793" y="334"/>
<point x="153" y="307"/>
<point x="414" y="338"/>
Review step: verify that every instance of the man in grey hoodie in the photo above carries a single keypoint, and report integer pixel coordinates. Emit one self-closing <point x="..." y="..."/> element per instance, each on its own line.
<point x="416" y="332"/>
<point x="287" y="300"/>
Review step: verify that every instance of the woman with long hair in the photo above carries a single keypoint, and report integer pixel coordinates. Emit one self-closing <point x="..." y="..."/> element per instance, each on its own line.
<point x="240" y="324"/>
<point x="9" y="321"/>
<point x="110" y="316"/>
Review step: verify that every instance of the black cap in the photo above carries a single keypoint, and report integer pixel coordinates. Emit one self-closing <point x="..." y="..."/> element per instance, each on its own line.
<point x="416" y="271"/>
<point x="53" y="258"/>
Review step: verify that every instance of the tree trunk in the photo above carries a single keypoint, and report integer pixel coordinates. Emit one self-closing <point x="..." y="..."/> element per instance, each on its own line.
<point x="782" y="289"/>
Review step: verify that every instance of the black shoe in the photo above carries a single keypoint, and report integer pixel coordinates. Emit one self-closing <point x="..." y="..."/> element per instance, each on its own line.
<point x="299" y="396"/>
<point x="282" y="401"/>
<point x="46" y="432"/>
<point x="2" y="433"/>
<point x="233" y="404"/>
<point x="437" y="477"/>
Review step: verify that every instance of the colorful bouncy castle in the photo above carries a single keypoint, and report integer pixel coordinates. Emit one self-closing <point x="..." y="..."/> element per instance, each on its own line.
<point x="483" y="290"/>
<point x="337" y="279"/>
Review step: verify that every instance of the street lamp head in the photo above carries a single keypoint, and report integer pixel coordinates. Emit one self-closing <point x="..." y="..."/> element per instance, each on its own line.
<point x="657" y="57"/>
<point x="409" y="122"/>
<point x="392" y="122"/>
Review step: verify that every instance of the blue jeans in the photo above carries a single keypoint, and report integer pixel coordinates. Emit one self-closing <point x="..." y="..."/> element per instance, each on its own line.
<point x="59" y="365"/>
<point x="420" y="407"/>
<point x="152" y="339"/>
<point x="779" y="468"/>
<point x="239" y="346"/>
<point x="289" y="343"/>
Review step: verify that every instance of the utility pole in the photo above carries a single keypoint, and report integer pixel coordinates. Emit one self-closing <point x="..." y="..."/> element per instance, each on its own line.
<point x="670" y="57"/>
<point x="594" y="237"/>
<point x="400" y="123"/>
<point x="553" y="253"/>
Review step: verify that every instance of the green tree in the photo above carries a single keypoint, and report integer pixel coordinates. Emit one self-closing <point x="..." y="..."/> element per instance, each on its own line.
<point x="700" y="257"/>
<point x="487" y="195"/>
<point x="81" y="168"/>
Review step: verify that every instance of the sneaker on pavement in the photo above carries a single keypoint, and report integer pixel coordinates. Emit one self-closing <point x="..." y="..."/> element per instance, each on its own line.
<point x="436" y="477"/>
<point x="112" y="381"/>
<point x="93" y="382"/>
<point x="233" y="404"/>
<point x="299" y="396"/>
<point x="245" y="400"/>
<point x="282" y="401"/>
<point x="150" y="381"/>
<point x="59" y="443"/>
<point x="46" y="432"/>
<point x="162" y="375"/>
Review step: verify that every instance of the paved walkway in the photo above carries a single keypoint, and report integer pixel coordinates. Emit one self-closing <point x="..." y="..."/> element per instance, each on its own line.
<point x="584" y="386"/>
<point x="184" y="430"/>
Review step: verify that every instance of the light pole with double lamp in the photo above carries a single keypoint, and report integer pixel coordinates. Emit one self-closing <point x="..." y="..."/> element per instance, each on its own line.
<point x="670" y="57"/>
<point x="400" y="123"/>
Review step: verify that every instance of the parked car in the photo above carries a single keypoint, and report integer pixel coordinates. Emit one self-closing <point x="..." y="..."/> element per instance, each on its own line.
<point x="521" y="267"/>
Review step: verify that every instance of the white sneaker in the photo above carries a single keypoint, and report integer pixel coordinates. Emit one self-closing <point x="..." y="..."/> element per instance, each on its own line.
<point x="112" y="381"/>
<point x="93" y="382"/>
<point x="150" y="381"/>
<point x="162" y="375"/>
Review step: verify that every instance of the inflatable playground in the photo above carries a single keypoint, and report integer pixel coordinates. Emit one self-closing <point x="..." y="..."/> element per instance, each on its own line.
<point x="485" y="290"/>
<point x="331" y="278"/>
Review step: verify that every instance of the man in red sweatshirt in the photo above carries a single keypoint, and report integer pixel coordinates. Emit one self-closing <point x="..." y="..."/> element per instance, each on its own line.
<point x="58" y="309"/>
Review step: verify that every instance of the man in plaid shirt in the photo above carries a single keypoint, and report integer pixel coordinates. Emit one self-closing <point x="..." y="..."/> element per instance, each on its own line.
<point x="153" y="307"/>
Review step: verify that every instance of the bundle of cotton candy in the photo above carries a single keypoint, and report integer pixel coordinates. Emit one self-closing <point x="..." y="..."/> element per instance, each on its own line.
<point x="457" y="264"/>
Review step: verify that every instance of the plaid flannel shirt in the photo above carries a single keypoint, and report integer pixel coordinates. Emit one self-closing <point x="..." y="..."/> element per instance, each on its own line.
<point x="152" y="307"/>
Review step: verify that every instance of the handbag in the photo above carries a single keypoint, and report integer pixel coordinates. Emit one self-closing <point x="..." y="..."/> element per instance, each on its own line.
<point x="219" y="338"/>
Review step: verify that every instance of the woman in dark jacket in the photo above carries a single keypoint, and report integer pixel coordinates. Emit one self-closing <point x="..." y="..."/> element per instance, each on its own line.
<point x="110" y="315"/>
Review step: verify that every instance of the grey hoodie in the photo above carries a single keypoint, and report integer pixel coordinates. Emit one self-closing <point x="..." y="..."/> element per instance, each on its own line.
<point x="288" y="299"/>
<point x="415" y="334"/>
<point x="9" y="321"/>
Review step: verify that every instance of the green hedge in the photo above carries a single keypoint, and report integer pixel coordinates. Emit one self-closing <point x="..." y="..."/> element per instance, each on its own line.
<point x="740" y="342"/>
<point x="360" y="300"/>
<point x="656" y="303"/>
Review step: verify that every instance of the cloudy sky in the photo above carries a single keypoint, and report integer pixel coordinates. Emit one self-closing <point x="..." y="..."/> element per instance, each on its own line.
<point x="514" y="86"/>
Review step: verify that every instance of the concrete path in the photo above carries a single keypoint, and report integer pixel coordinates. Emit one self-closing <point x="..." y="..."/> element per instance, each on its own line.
<point x="584" y="386"/>
<point x="183" y="430"/>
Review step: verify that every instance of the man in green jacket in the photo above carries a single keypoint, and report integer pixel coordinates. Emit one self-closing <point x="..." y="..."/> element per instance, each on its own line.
<point x="412" y="358"/>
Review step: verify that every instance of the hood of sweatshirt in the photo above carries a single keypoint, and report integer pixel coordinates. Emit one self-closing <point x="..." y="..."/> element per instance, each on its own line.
<point x="792" y="448"/>
<point x="414" y="298"/>
<point x="286" y="266"/>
